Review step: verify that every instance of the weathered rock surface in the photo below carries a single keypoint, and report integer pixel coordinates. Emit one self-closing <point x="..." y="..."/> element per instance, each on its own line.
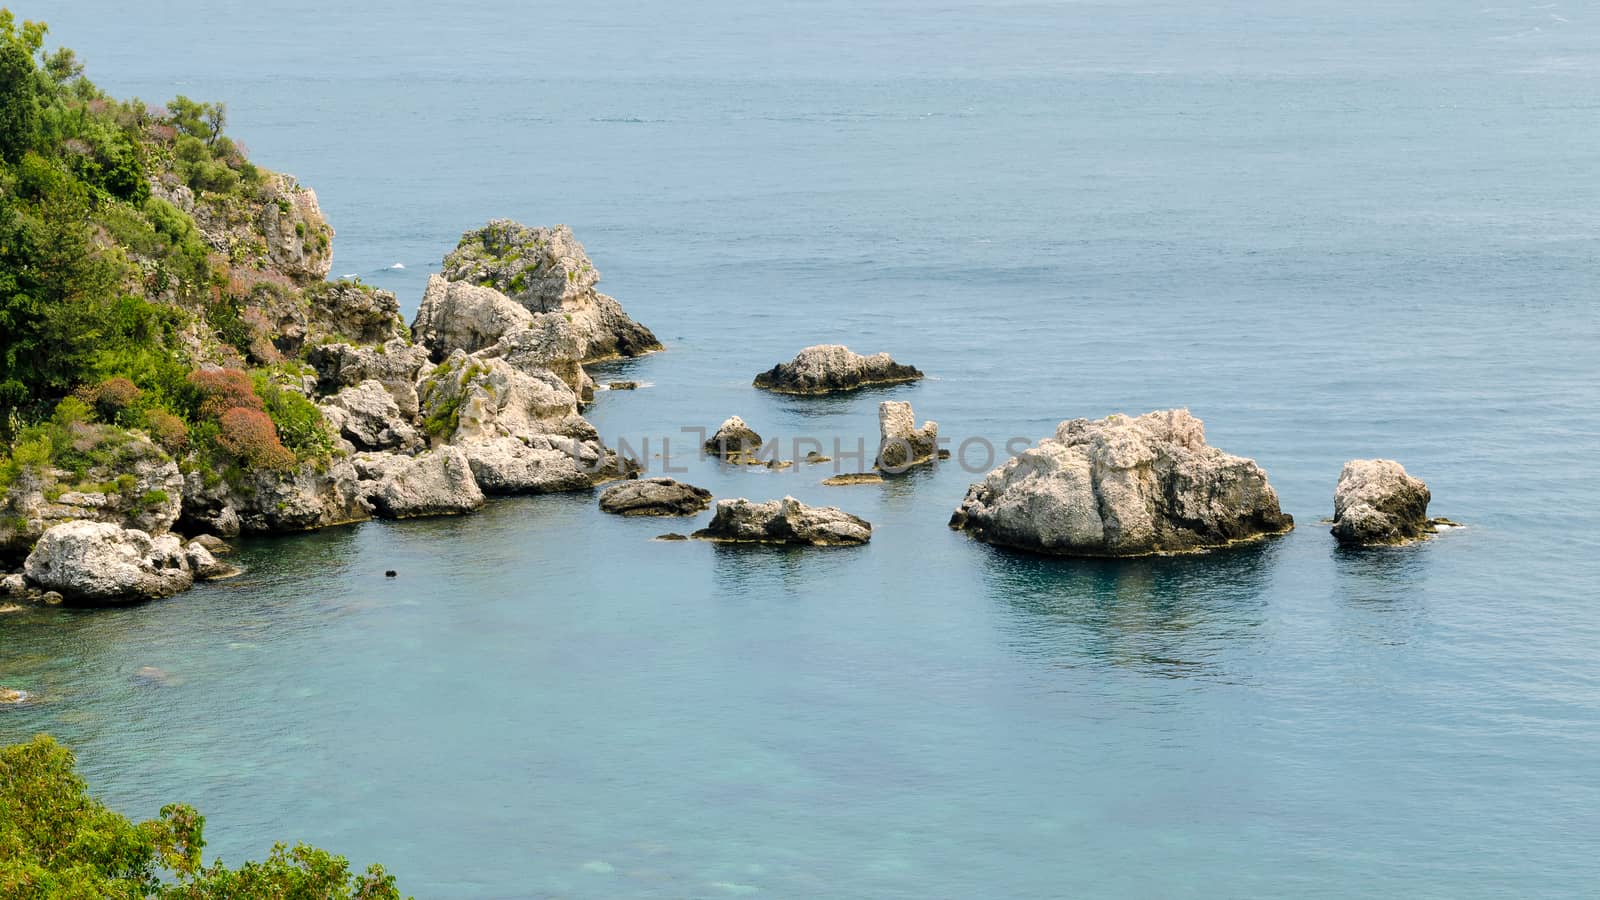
<point x="1376" y="502"/>
<point x="396" y="365"/>
<point x="460" y="315"/>
<point x="547" y="272"/>
<point x="98" y="562"/>
<point x="542" y="464"/>
<point x="353" y="312"/>
<point x="786" y="521"/>
<point x="13" y="585"/>
<point x="133" y="483"/>
<point x="734" y="441"/>
<point x="258" y="501"/>
<point x="213" y="544"/>
<point x="850" y="478"/>
<point x="901" y="444"/>
<point x="654" y="497"/>
<point x="282" y="229"/>
<point x="12" y="696"/>
<point x="369" y="418"/>
<point x="1123" y="486"/>
<point x="468" y="398"/>
<point x="833" y="368"/>
<point x="204" y="566"/>
<point x="437" y="483"/>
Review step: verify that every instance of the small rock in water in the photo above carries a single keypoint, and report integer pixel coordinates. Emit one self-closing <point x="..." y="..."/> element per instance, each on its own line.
<point x="154" y="675"/>
<point x="390" y="573"/>
<point x="11" y="696"/>
<point x="654" y="497"/>
<point x="831" y="369"/>
<point x="622" y="386"/>
<point x="672" y="536"/>
<point x="853" y="478"/>
<point x="786" y="521"/>
<point x="9" y="608"/>
<point x="814" y="457"/>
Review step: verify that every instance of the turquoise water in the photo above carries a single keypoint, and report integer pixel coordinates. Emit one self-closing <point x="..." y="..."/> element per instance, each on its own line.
<point x="1331" y="230"/>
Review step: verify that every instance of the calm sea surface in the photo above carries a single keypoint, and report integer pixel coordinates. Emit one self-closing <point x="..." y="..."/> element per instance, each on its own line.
<point x="1332" y="230"/>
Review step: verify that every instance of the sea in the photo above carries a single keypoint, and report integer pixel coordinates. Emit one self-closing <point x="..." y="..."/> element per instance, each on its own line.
<point x="1332" y="230"/>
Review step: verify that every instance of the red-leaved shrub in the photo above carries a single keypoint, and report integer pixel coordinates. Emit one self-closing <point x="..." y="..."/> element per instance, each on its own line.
<point x="249" y="435"/>
<point x="222" y="390"/>
<point x="168" y="430"/>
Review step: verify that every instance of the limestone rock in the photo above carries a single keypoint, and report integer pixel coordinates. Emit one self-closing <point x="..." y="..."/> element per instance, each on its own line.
<point x="263" y="501"/>
<point x="786" y="521"/>
<point x="654" y="497"/>
<point x="1376" y="502"/>
<point x="395" y="364"/>
<point x="833" y="368"/>
<point x="281" y="230"/>
<point x="12" y="696"/>
<point x="437" y="483"/>
<point x="14" y="585"/>
<point x="546" y="271"/>
<point x="368" y="417"/>
<point x="215" y="545"/>
<point x="1123" y="486"/>
<point x="205" y="566"/>
<point x="132" y="482"/>
<point x="467" y="399"/>
<point x="734" y="441"/>
<point x="353" y="311"/>
<point x="849" y="478"/>
<point x="901" y="443"/>
<point x="460" y="315"/>
<point x="98" y="562"/>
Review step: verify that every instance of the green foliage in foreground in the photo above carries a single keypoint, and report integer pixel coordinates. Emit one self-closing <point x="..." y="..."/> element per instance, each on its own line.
<point x="57" y="842"/>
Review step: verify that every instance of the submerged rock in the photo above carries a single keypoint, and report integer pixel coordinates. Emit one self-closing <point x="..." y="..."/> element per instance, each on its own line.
<point x="654" y="497"/>
<point x="734" y="441"/>
<point x="205" y="566"/>
<point x="98" y="562"/>
<point x="850" y="478"/>
<point x="12" y="696"/>
<point x="1123" y="486"/>
<point x="215" y="545"/>
<point x="1376" y="502"/>
<point x="437" y="483"/>
<point x="901" y="443"/>
<point x="786" y="521"/>
<point x="833" y="368"/>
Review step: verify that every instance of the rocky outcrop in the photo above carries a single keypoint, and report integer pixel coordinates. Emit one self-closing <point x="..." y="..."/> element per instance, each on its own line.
<point x="205" y="566"/>
<point x="129" y="481"/>
<point x="831" y="369"/>
<point x="901" y="444"/>
<point x="354" y="313"/>
<point x="547" y="272"/>
<point x="395" y="364"/>
<point x="312" y="495"/>
<point x="280" y="228"/>
<point x="437" y="483"/>
<point x="98" y="562"/>
<point x="654" y="497"/>
<point x="847" y="479"/>
<point x="1376" y="502"/>
<point x="461" y="315"/>
<point x="12" y="696"/>
<point x="786" y="521"/>
<point x="369" y="418"/>
<point x="1123" y="486"/>
<point x="734" y="441"/>
<point x="520" y="431"/>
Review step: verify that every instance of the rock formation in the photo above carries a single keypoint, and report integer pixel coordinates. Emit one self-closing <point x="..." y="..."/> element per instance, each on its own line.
<point x="1376" y="502"/>
<point x="901" y="443"/>
<point x="734" y="441"/>
<point x="369" y="418"/>
<point x="786" y="521"/>
<point x="1123" y="486"/>
<point x="832" y="368"/>
<point x="654" y="497"/>
<point x="437" y="483"/>
<point x="98" y="562"/>
<point x="547" y="272"/>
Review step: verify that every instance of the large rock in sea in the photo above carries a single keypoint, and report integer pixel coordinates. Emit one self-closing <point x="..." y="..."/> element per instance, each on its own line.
<point x="1376" y="502"/>
<point x="833" y="368"/>
<point x="314" y="494"/>
<point x="654" y="497"/>
<point x="437" y="483"/>
<point x="1123" y="486"/>
<point x="482" y="322"/>
<point x="901" y="444"/>
<point x="98" y="562"/>
<point x="547" y="272"/>
<point x="786" y="521"/>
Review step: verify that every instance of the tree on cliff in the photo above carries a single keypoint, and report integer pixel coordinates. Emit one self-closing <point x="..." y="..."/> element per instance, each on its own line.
<point x="57" y="842"/>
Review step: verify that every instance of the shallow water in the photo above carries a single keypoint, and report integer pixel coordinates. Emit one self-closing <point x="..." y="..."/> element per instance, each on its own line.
<point x="1332" y="231"/>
